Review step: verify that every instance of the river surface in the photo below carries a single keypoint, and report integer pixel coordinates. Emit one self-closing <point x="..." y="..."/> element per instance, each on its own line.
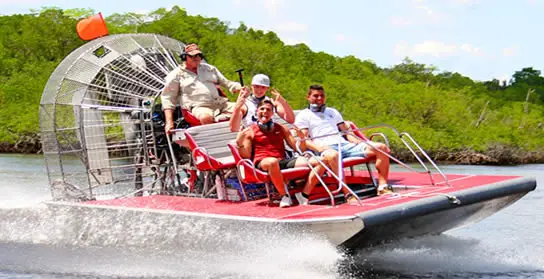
<point x="34" y="243"/>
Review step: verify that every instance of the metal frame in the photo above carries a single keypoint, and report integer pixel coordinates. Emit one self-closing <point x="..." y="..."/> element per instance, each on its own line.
<point x="130" y="72"/>
<point x="368" y="143"/>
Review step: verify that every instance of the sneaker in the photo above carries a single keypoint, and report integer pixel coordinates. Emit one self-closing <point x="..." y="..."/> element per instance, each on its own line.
<point x="351" y="199"/>
<point x="386" y="190"/>
<point x="285" y="201"/>
<point x="301" y="199"/>
<point x="274" y="197"/>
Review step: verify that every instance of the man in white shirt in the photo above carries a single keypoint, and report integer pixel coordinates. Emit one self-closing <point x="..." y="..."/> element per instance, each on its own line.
<point x="318" y="120"/>
<point x="245" y="108"/>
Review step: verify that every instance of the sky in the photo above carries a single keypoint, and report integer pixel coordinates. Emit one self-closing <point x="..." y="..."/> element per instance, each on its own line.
<point x="481" y="39"/>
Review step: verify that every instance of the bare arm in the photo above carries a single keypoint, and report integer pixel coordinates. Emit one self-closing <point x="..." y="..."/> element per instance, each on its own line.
<point x="310" y="144"/>
<point x="169" y="118"/>
<point x="244" y="144"/>
<point x="342" y="127"/>
<point x="231" y="85"/>
<point x="240" y="109"/>
<point x="284" y="110"/>
<point x="291" y="141"/>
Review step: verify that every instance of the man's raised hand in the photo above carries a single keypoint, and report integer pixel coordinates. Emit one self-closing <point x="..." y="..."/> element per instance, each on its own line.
<point x="276" y="94"/>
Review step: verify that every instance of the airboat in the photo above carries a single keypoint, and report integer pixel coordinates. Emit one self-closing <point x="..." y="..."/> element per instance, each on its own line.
<point x="105" y="150"/>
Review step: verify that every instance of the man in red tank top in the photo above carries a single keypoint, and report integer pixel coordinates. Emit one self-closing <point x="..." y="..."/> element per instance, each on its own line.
<point x="263" y="142"/>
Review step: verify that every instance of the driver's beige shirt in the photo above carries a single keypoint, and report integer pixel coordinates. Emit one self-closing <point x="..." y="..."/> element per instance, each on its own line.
<point x="195" y="89"/>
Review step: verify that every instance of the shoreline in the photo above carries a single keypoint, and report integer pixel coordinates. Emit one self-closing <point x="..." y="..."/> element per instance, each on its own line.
<point x="499" y="155"/>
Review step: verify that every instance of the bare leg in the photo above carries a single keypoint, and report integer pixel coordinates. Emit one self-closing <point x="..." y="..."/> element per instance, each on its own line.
<point x="272" y="166"/>
<point x="204" y="114"/>
<point x="382" y="161"/>
<point x="312" y="177"/>
<point x="206" y="118"/>
<point x="330" y="158"/>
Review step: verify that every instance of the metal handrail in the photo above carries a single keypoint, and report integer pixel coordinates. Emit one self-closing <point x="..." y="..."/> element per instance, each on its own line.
<point x="427" y="157"/>
<point x="312" y="169"/>
<point x="340" y="181"/>
<point x="381" y="135"/>
<point x="368" y="142"/>
<point x="169" y="140"/>
<point x="400" y="135"/>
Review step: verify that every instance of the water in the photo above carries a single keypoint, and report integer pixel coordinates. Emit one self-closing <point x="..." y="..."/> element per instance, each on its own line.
<point x="35" y="243"/>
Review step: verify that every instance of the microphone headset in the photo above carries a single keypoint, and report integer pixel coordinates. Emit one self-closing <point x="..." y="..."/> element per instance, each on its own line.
<point x="266" y="127"/>
<point x="183" y="56"/>
<point x="317" y="108"/>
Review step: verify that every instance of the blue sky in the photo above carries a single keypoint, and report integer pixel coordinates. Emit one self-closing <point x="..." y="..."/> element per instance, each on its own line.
<point x="482" y="39"/>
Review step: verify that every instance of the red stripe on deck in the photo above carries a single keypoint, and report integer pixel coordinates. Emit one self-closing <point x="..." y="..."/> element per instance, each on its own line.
<point x="261" y="208"/>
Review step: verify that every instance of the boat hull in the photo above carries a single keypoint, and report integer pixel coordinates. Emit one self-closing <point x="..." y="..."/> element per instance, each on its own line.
<point x="385" y="229"/>
<point x="426" y="210"/>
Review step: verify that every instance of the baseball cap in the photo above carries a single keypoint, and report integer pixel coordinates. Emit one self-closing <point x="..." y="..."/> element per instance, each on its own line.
<point x="192" y="49"/>
<point x="260" y="79"/>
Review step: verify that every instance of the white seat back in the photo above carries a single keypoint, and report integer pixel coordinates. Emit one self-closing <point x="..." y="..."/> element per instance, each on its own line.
<point x="214" y="138"/>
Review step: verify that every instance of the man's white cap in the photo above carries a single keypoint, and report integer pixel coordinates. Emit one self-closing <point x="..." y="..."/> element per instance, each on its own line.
<point x="260" y="79"/>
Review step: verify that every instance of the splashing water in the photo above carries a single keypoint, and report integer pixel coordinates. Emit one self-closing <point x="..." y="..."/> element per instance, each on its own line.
<point x="124" y="243"/>
<point x="446" y="256"/>
<point x="41" y="242"/>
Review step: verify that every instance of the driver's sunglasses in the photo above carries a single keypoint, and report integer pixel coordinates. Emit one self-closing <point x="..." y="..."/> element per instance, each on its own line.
<point x="196" y="55"/>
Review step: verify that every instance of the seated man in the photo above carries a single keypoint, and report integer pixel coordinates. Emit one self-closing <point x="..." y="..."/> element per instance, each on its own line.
<point x="246" y="105"/>
<point x="194" y="85"/>
<point x="318" y="120"/>
<point x="263" y="141"/>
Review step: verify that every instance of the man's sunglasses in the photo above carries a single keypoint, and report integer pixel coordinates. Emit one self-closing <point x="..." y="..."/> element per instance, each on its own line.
<point x="196" y="55"/>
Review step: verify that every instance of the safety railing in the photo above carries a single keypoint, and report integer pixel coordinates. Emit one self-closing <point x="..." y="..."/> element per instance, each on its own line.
<point x="338" y="177"/>
<point x="368" y="142"/>
<point x="401" y="136"/>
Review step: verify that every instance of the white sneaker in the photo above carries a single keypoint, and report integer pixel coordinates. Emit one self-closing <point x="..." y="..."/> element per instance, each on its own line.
<point x="385" y="189"/>
<point x="285" y="201"/>
<point x="301" y="199"/>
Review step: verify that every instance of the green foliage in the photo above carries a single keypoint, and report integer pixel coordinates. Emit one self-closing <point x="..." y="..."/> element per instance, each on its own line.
<point x="31" y="46"/>
<point x="78" y="13"/>
<point x="442" y="110"/>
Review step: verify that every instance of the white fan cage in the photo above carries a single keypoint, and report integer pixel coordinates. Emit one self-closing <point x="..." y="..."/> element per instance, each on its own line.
<point x="95" y="113"/>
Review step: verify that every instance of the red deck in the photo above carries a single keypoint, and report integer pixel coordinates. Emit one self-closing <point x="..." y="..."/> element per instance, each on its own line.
<point x="261" y="208"/>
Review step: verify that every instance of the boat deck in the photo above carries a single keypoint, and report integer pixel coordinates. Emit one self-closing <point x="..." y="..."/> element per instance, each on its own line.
<point x="408" y="187"/>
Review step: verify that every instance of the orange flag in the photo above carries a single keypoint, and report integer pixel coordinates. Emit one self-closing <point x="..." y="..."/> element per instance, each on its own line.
<point x="92" y="27"/>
